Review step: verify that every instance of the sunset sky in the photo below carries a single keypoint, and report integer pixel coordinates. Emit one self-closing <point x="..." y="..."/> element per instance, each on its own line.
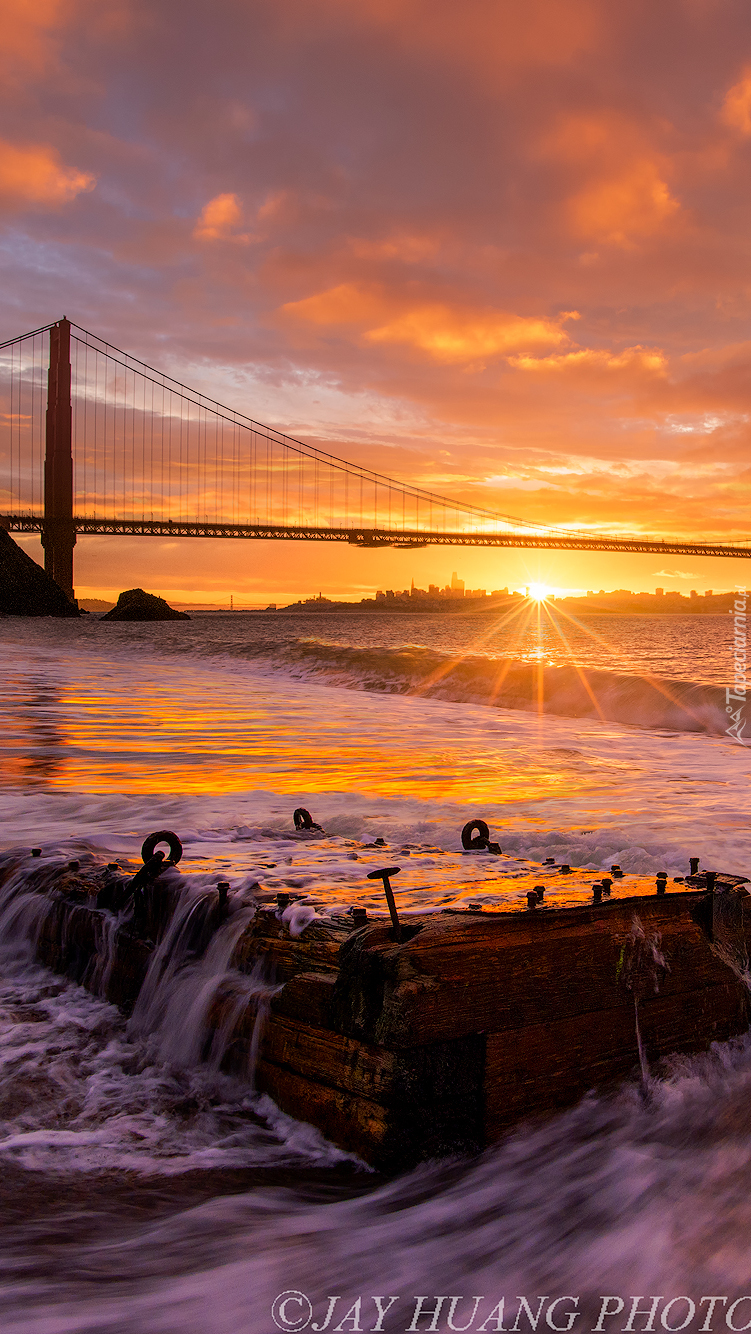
<point x="497" y="249"/>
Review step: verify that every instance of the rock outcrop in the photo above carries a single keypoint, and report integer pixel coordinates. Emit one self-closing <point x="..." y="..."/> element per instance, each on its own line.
<point x="135" y="605"/>
<point x="25" y="588"/>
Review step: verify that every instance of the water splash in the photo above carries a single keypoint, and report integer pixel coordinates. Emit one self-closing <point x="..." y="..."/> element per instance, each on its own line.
<point x="193" y="1004"/>
<point x="728" y="935"/>
<point x="641" y="969"/>
<point x="25" y="904"/>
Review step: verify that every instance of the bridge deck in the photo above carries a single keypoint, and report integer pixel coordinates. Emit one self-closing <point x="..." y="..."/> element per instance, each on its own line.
<point x="377" y="537"/>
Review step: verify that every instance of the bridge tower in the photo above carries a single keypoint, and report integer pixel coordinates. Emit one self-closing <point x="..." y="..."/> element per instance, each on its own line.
<point x="58" y="532"/>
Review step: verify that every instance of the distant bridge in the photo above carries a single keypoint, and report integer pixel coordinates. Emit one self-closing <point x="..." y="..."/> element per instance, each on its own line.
<point x="96" y="442"/>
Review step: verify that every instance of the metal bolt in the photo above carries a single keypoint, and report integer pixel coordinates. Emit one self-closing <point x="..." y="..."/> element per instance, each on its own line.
<point x="617" y="872"/>
<point x="388" y="891"/>
<point x="711" y="878"/>
<point x="359" y="916"/>
<point x="661" y="884"/>
<point x="223" y="887"/>
<point x="539" y="891"/>
<point x="694" y="864"/>
<point x="36" y="852"/>
<point x="565" y="869"/>
<point x="282" y="901"/>
<point x="550" y="861"/>
<point x="597" y="892"/>
<point x="607" y="884"/>
<point x="532" y="899"/>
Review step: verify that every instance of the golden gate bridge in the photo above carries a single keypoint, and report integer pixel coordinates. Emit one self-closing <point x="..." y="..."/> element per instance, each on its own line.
<point x="95" y="441"/>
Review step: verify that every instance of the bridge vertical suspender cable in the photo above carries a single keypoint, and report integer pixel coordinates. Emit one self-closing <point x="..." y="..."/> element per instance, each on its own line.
<point x="107" y="444"/>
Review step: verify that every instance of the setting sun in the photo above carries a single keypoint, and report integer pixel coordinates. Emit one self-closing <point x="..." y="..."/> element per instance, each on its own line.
<point x="539" y="592"/>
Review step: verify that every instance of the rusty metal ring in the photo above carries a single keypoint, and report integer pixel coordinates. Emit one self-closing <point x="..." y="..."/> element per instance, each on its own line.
<point x="483" y="834"/>
<point x="303" y="819"/>
<point x="162" y="836"/>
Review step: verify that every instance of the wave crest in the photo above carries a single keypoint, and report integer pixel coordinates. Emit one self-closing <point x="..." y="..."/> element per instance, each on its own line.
<point x="569" y="691"/>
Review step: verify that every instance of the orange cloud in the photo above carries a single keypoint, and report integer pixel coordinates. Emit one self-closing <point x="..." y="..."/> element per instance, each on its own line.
<point x="281" y="206"/>
<point x="736" y="110"/>
<point x="35" y="175"/>
<point x="219" y="219"/>
<point x="408" y="249"/>
<point x="349" y="303"/>
<point x="450" y="335"/>
<point x="632" y="358"/>
<point x="446" y="333"/>
<point x="633" y="203"/>
<point x="25" y="30"/>
<point x="624" y="195"/>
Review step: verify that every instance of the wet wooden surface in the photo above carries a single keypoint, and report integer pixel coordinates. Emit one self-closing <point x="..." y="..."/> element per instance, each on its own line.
<point x="475" y="1021"/>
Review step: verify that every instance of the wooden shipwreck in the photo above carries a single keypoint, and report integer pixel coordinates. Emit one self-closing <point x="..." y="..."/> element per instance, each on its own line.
<point x="439" y="1043"/>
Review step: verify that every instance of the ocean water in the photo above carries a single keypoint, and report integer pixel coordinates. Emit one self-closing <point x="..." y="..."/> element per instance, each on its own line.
<point x="141" y="1189"/>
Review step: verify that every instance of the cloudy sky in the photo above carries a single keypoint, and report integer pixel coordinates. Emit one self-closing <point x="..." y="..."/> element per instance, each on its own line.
<point x="497" y="249"/>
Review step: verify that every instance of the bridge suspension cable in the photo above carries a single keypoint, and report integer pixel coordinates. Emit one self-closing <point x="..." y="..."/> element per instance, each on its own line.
<point x="153" y="456"/>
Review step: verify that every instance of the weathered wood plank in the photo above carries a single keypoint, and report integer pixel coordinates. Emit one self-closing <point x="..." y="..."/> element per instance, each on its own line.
<point x="550" y="1065"/>
<point x="316" y="950"/>
<point x="430" y="1099"/>
<point x="459" y="976"/>
<point x="439" y="1044"/>
<point x="356" y="1124"/>
<point x="329" y="1058"/>
<point x="308" y="997"/>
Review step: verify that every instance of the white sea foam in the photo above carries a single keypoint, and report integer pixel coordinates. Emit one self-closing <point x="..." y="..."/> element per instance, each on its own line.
<point x="80" y="1095"/>
<point x="616" y="1196"/>
<point x="150" y="730"/>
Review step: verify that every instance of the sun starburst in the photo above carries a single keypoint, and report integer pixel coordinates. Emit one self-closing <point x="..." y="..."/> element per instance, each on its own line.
<point x="539" y="592"/>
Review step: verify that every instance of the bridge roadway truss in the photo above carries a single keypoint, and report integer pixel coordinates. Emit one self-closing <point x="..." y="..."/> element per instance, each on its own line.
<point x="87" y="428"/>
<point x="375" y="537"/>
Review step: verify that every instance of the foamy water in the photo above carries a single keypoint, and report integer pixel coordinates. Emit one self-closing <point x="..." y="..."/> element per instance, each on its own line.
<point x="143" y="1189"/>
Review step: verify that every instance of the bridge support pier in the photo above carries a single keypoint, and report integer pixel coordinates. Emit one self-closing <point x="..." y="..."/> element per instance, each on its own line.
<point x="58" y="531"/>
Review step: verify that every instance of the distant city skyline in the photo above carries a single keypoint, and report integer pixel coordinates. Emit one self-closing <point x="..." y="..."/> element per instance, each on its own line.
<point x="693" y="599"/>
<point x="433" y="591"/>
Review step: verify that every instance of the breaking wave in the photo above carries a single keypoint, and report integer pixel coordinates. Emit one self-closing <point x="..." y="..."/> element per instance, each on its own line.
<point x="507" y="683"/>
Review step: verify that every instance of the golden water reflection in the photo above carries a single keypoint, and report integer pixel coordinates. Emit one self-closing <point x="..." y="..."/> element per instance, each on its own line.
<point x="171" y="729"/>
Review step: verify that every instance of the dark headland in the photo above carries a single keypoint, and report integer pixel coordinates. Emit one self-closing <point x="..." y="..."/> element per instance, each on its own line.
<point x="25" y="588"/>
